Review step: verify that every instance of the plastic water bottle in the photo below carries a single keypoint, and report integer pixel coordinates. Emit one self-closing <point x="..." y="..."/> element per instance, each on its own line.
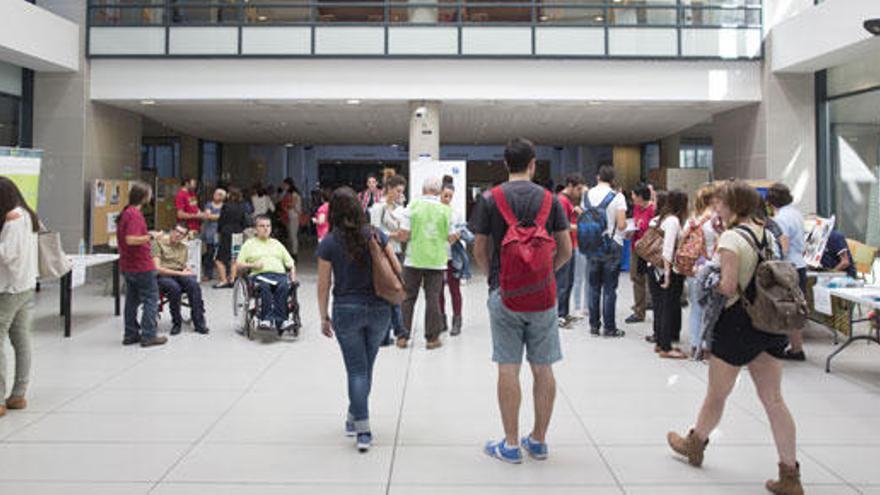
<point x="82" y="247"/>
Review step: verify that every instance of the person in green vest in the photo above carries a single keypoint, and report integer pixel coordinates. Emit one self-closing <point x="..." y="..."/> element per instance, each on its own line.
<point x="426" y="225"/>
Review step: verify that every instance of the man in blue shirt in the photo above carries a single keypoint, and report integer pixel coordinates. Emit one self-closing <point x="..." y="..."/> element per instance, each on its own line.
<point x="791" y="222"/>
<point x="837" y="256"/>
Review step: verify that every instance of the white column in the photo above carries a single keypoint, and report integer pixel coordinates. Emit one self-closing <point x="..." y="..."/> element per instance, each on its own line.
<point x="424" y="130"/>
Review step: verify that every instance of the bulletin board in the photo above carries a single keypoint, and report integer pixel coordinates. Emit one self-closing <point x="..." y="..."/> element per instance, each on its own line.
<point x="166" y="211"/>
<point x="108" y="198"/>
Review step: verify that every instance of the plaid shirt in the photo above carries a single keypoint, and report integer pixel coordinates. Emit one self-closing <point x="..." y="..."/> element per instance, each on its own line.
<point x="368" y="199"/>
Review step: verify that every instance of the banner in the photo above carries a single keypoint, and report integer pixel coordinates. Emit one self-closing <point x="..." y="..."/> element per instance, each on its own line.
<point x="423" y="169"/>
<point x="23" y="167"/>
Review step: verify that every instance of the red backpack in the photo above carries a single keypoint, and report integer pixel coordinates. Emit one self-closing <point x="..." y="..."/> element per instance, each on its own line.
<point x="528" y="282"/>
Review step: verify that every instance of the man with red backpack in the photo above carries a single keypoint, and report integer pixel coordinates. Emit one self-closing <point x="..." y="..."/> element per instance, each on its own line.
<point x="528" y="233"/>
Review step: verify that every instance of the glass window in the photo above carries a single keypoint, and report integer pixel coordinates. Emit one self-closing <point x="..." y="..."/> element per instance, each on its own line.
<point x="277" y="12"/>
<point x="561" y="15"/>
<point x="210" y="162"/>
<point x="855" y="164"/>
<point x="161" y="158"/>
<point x="487" y="12"/>
<point x="219" y="12"/>
<point x="9" y="110"/>
<point x="695" y="155"/>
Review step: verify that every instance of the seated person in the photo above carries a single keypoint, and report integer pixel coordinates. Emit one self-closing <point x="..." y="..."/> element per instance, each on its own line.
<point x="170" y="254"/>
<point x="272" y="269"/>
<point x="836" y="256"/>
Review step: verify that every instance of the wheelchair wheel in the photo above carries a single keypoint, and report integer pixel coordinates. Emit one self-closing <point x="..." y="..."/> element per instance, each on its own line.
<point x="241" y="307"/>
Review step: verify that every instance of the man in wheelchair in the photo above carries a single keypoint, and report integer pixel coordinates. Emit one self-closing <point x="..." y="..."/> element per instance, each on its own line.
<point x="271" y="269"/>
<point x="170" y="254"/>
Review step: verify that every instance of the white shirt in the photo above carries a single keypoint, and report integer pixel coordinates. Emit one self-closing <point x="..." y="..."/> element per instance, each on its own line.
<point x="387" y="220"/>
<point x="597" y="195"/>
<point x="791" y="222"/>
<point x="19" y="267"/>
<point x="262" y="204"/>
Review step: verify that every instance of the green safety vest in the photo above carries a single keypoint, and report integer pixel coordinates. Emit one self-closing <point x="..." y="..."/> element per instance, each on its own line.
<point x="429" y="224"/>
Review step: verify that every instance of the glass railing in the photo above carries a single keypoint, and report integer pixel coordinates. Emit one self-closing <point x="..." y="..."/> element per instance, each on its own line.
<point x="576" y="28"/>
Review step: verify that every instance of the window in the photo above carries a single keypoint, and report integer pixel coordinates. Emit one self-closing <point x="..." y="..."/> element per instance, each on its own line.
<point x="695" y="155"/>
<point x="161" y="157"/>
<point x="9" y="111"/>
<point x="209" y="157"/>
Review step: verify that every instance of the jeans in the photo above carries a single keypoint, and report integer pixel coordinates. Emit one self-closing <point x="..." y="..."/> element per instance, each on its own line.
<point x="173" y="288"/>
<point x="667" y="309"/>
<point x="581" y="289"/>
<point x="274" y="291"/>
<point x="454" y="284"/>
<point x="604" y="273"/>
<point x="141" y="288"/>
<point x="16" y="320"/>
<point x="414" y="278"/>
<point x="360" y="328"/>
<point x="695" y="318"/>
<point x="564" y="282"/>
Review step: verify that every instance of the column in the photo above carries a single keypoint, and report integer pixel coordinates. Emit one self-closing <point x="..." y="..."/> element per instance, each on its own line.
<point x="424" y="130"/>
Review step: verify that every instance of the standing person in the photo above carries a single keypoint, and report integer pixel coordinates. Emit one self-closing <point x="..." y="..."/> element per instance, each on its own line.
<point x="211" y="234"/>
<point x="665" y="283"/>
<point x="175" y="278"/>
<point x="187" y="204"/>
<point x="736" y="343"/>
<point x="523" y="209"/>
<point x="360" y="318"/>
<point x="372" y="194"/>
<point x="322" y="215"/>
<point x="605" y="266"/>
<point x="18" y="279"/>
<point x="643" y="212"/>
<point x="568" y="197"/>
<point x="234" y="218"/>
<point x="452" y="278"/>
<point x="791" y="222"/>
<point x="139" y="270"/>
<point x="701" y="223"/>
<point x="292" y="208"/>
<point x="386" y="216"/>
<point x="262" y="201"/>
<point x="426" y="225"/>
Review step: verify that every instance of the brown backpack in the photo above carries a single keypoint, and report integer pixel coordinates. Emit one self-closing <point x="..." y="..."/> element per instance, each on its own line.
<point x="691" y="249"/>
<point x="774" y="299"/>
<point x="386" y="273"/>
<point x="650" y="246"/>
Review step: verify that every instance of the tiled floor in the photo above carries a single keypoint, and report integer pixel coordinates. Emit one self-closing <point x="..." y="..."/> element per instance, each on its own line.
<point x="223" y="415"/>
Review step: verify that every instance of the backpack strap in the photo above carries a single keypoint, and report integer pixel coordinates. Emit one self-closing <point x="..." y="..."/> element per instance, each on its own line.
<point x="607" y="201"/>
<point x="748" y="295"/>
<point x="544" y="212"/>
<point x="504" y="207"/>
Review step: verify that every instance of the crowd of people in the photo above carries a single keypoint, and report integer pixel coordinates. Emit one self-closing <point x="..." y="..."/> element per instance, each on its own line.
<point x="538" y="250"/>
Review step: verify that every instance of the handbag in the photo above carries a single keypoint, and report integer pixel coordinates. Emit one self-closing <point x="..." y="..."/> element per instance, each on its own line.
<point x="53" y="262"/>
<point x="650" y="247"/>
<point x="387" y="282"/>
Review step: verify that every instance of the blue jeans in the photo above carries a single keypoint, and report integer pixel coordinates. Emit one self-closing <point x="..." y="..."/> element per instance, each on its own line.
<point x="581" y="289"/>
<point x="141" y="288"/>
<point x="360" y="329"/>
<point x="604" y="272"/>
<point x="695" y="318"/>
<point x="273" y="290"/>
<point x="173" y="288"/>
<point x="564" y="282"/>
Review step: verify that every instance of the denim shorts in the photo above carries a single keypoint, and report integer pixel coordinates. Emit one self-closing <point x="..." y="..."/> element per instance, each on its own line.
<point x="538" y="333"/>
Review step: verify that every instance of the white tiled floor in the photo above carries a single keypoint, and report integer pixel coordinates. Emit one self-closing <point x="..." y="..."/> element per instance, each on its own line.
<point x="220" y="414"/>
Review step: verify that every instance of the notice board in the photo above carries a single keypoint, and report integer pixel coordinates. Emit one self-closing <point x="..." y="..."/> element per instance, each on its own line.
<point x="108" y="198"/>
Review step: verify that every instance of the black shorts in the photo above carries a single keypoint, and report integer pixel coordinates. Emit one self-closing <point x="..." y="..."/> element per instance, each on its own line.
<point x="736" y="342"/>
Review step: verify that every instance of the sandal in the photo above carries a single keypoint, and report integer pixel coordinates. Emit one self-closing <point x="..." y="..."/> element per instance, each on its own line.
<point x="672" y="354"/>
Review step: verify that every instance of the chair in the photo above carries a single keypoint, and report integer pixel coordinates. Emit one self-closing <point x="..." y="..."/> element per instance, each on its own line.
<point x="863" y="257"/>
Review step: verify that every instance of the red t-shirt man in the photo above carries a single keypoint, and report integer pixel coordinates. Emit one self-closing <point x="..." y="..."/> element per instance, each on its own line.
<point x="571" y="215"/>
<point x="133" y="259"/>
<point x="188" y="202"/>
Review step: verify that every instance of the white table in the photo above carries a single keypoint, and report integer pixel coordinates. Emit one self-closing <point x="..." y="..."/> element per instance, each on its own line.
<point x="864" y="296"/>
<point x="80" y="263"/>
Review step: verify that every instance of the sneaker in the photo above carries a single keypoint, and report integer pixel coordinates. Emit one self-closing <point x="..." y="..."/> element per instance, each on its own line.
<point x="650" y="339"/>
<point x="536" y="450"/>
<point x="203" y="330"/>
<point x="616" y="333"/>
<point x="266" y="325"/>
<point x="131" y="340"/>
<point x="790" y="355"/>
<point x="364" y="441"/>
<point x="456" y="326"/>
<point x="286" y="325"/>
<point x="634" y="319"/>
<point x="175" y="330"/>
<point x="594" y="331"/>
<point x="402" y="342"/>
<point x="349" y="429"/>
<point x="433" y="344"/>
<point x="500" y="451"/>
<point x="154" y="341"/>
<point x="576" y="316"/>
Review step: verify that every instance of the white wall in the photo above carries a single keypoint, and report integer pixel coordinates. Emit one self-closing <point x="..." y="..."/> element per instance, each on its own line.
<point x="35" y="38"/>
<point x="447" y="80"/>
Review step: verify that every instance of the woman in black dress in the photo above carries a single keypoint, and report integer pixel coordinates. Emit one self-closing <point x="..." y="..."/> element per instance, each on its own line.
<point x="234" y="219"/>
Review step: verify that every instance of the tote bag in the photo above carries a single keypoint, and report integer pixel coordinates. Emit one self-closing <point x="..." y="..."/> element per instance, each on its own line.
<point x="52" y="260"/>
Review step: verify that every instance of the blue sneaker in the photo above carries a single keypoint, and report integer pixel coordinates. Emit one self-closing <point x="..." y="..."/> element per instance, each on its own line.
<point x="349" y="429"/>
<point x="501" y="451"/>
<point x="536" y="450"/>
<point x="364" y="441"/>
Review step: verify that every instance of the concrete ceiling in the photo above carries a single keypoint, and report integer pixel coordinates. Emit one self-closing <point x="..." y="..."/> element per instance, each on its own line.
<point x="387" y="122"/>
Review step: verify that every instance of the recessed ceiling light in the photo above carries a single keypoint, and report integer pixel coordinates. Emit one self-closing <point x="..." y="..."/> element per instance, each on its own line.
<point x="288" y="145"/>
<point x="599" y="18"/>
<point x="353" y="101"/>
<point x="148" y="102"/>
<point x="262" y="18"/>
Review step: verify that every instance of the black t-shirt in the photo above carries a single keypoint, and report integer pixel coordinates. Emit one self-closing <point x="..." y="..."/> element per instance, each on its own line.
<point x="525" y="199"/>
<point x="352" y="282"/>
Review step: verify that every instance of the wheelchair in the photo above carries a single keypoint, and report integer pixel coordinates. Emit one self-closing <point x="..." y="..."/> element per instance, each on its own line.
<point x="246" y="309"/>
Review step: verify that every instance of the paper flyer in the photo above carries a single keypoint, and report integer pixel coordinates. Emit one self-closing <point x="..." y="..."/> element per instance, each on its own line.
<point x="817" y="238"/>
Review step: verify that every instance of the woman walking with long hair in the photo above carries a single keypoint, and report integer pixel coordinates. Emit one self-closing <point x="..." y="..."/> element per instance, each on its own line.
<point x="360" y="319"/>
<point x="736" y="343"/>
<point x="665" y="283"/>
<point x="18" y="279"/>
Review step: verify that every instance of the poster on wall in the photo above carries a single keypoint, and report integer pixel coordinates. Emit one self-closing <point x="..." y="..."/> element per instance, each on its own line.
<point x="100" y="194"/>
<point x="816" y="239"/>
<point x="116" y="193"/>
<point x="22" y="166"/>
<point x="421" y="170"/>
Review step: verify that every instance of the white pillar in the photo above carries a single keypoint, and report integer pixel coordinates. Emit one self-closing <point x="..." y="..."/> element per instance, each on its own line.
<point x="424" y="130"/>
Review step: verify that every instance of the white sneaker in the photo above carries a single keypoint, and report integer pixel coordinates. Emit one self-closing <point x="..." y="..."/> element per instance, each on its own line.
<point x="266" y="324"/>
<point x="287" y="325"/>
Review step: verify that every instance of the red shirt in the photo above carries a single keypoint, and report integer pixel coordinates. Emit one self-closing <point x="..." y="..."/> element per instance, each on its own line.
<point x="568" y="208"/>
<point x="133" y="259"/>
<point x="642" y="217"/>
<point x="188" y="202"/>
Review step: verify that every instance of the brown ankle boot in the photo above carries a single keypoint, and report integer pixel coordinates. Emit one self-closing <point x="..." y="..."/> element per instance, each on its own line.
<point x="789" y="482"/>
<point x="691" y="446"/>
<point x="2" y="411"/>
<point x="14" y="402"/>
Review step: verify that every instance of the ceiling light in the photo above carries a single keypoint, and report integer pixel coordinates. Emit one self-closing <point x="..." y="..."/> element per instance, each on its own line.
<point x="288" y="145"/>
<point x="353" y="101"/>
<point x="599" y="18"/>
<point x="262" y="18"/>
<point x="148" y="102"/>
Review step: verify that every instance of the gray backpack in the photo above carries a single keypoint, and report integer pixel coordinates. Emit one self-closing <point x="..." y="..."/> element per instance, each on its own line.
<point x="773" y="300"/>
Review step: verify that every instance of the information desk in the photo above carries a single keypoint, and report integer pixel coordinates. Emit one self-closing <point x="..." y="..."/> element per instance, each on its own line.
<point x="869" y="298"/>
<point x="76" y="277"/>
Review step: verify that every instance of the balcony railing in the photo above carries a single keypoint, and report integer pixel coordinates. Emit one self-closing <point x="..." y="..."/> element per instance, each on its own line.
<point x="420" y="28"/>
